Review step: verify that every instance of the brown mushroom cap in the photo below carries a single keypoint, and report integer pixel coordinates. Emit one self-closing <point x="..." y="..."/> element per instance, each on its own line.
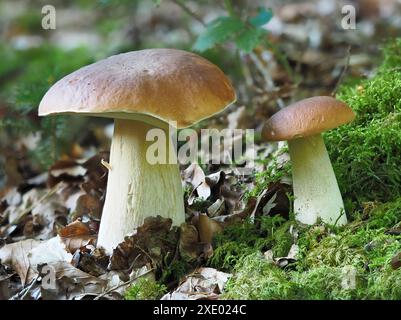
<point x="307" y="118"/>
<point x="167" y="84"/>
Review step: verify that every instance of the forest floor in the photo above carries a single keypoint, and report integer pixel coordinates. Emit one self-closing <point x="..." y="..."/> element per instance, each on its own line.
<point x="52" y="187"/>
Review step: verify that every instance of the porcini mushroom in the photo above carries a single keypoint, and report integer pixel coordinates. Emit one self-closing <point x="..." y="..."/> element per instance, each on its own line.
<point x="316" y="191"/>
<point x="141" y="90"/>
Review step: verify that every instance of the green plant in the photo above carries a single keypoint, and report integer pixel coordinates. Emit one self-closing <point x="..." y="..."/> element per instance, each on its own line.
<point x="365" y="153"/>
<point x="41" y="68"/>
<point x="384" y="284"/>
<point x="245" y="32"/>
<point x="145" y="289"/>
<point x="275" y="172"/>
<point x="256" y="278"/>
<point x="245" y="238"/>
<point x="174" y="271"/>
<point x="329" y="283"/>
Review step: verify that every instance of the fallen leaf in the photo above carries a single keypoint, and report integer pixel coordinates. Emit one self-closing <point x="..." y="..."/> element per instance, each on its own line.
<point x="15" y="255"/>
<point x="204" y="283"/>
<point x="191" y="249"/>
<point x="74" y="229"/>
<point x="396" y="261"/>
<point x="89" y="205"/>
<point x="49" y="251"/>
<point x="76" y="235"/>
<point x="69" y="282"/>
<point x="150" y="243"/>
<point x="208" y="228"/>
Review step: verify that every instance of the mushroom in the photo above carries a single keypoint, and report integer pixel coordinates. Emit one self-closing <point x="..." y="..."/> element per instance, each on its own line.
<point x="316" y="191"/>
<point x="141" y="90"/>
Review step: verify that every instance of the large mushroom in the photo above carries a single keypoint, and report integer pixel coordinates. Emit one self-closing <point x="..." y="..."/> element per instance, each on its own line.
<point x="316" y="191"/>
<point x="141" y="90"/>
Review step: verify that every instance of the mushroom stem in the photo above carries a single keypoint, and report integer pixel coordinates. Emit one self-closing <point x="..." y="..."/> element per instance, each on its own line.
<point x="137" y="189"/>
<point x="316" y="191"/>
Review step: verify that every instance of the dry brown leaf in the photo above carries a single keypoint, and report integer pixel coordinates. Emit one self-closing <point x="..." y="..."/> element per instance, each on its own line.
<point x="76" y="243"/>
<point x="74" y="229"/>
<point x="89" y="205"/>
<point x="76" y="235"/>
<point x="49" y="251"/>
<point x="191" y="249"/>
<point x="70" y="282"/>
<point x="16" y="256"/>
<point x="67" y="171"/>
<point x="150" y="243"/>
<point x="208" y="228"/>
<point x="396" y="261"/>
<point x="204" y="283"/>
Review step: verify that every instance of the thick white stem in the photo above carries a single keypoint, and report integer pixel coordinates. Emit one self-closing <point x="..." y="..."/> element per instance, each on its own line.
<point x="137" y="189"/>
<point x="315" y="185"/>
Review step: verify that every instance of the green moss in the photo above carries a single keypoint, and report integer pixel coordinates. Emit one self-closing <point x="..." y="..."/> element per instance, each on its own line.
<point x="255" y="278"/>
<point x="227" y="255"/>
<point x="360" y="243"/>
<point x="245" y="238"/>
<point x="348" y="262"/>
<point x="386" y="215"/>
<point x="275" y="172"/>
<point x="351" y="262"/>
<point x="236" y="241"/>
<point x="282" y="241"/>
<point x="392" y="55"/>
<point x="384" y="284"/>
<point x="365" y="153"/>
<point x="334" y="251"/>
<point x="145" y="289"/>
<point x="174" y="271"/>
<point x="329" y="283"/>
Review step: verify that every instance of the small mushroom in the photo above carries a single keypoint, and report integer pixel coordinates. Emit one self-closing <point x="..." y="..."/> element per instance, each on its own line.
<point x="316" y="191"/>
<point x="141" y="90"/>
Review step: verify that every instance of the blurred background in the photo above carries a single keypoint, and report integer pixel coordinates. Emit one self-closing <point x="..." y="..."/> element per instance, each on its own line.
<point x="53" y="183"/>
<point x="274" y="52"/>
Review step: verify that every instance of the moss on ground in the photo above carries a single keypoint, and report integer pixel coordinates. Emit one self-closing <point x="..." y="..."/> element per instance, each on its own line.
<point x="246" y="238"/>
<point x="145" y="289"/>
<point x="365" y="153"/>
<point x="257" y="279"/>
<point x="349" y="262"/>
<point x="352" y="262"/>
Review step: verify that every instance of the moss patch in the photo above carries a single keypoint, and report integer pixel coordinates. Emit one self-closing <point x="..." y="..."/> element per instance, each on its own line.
<point x="255" y="278"/>
<point x="246" y="238"/>
<point x="352" y="262"/>
<point x="365" y="153"/>
<point x="145" y="289"/>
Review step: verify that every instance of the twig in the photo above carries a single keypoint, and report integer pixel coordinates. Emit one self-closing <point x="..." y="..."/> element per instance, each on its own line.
<point x="29" y="287"/>
<point x="105" y="164"/>
<point x="184" y="7"/>
<point x="122" y="284"/>
<point x="266" y="75"/>
<point x="342" y="75"/>
<point x="23" y="293"/>
<point x="29" y="209"/>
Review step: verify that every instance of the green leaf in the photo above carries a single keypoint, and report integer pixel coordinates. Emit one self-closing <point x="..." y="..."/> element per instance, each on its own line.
<point x="249" y="39"/>
<point x="217" y="32"/>
<point x="264" y="16"/>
